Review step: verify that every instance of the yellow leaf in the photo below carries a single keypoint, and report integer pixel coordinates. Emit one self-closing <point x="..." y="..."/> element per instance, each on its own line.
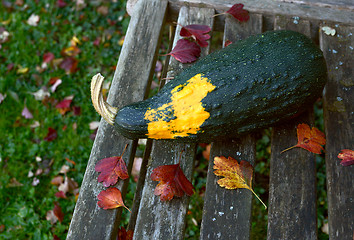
<point x="74" y="41"/>
<point x="22" y="70"/>
<point x="236" y="175"/>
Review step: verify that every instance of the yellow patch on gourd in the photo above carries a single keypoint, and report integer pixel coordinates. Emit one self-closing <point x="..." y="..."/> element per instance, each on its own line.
<point x="185" y="110"/>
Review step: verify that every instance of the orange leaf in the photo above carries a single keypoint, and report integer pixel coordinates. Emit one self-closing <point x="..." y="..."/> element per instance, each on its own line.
<point x="110" y="198"/>
<point x="235" y="175"/>
<point x="124" y="234"/>
<point x="309" y="139"/>
<point x="111" y="169"/>
<point x="173" y="182"/>
<point x="347" y="157"/>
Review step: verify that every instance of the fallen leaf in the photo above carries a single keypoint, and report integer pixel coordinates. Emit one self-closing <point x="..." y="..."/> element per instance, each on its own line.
<point x="48" y="57"/>
<point x="124" y="234"/>
<point x="22" y="70"/>
<point x="111" y="169"/>
<point x="64" y="106"/>
<point x="103" y="10"/>
<point x="173" y="182"/>
<point x="94" y="125"/>
<point x="61" y="3"/>
<point x="33" y="20"/>
<point x="51" y="135"/>
<point x="58" y="212"/>
<point x="68" y="186"/>
<point x="50" y="216"/>
<point x="309" y="139"/>
<point x="57" y="180"/>
<point x="60" y="194"/>
<point x="26" y="113"/>
<point x="347" y="157"/>
<point x="197" y="32"/>
<point x="235" y="175"/>
<point x="2" y="97"/>
<point x="55" y="84"/>
<point x="227" y="43"/>
<point x="71" y="51"/>
<point x="41" y="94"/>
<point x="110" y="199"/>
<point x="185" y="51"/>
<point x="238" y="12"/>
<point x="69" y="64"/>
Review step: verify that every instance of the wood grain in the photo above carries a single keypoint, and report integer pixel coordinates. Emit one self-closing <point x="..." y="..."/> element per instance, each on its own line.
<point x="292" y="191"/>
<point x="129" y="85"/>
<point x="227" y="213"/>
<point x="339" y="125"/>
<point x="166" y="220"/>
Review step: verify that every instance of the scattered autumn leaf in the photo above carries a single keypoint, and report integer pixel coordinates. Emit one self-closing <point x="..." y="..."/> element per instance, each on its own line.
<point x="227" y="43"/>
<point x="309" y="139"/>
<point x="51" y="135"/>
<point x="111" y="198"/>
<point x="64" y="106"/>
<point x="48" y="57"/>
<point x="71" y="51"/>
<point x="61" y="3"/>
<point x="197" y="32"/>
<point x="185" y="51"/>
<point x="2" y="97"/>
<point x="111" y="169"/>
<point x="235" y="175"/>
<point x="60" y="194"/>
<point x="238" y="12"/>
<point x="124" y="234"/>
<point x="69" y="64"/>
<point x="173" y="182"/>
<point x="347" y="157"/>
<point x="55" y="82"/>
<point x="22" y="70"/>
<point x="26" y="113"/>
<point x="58" y="212"/>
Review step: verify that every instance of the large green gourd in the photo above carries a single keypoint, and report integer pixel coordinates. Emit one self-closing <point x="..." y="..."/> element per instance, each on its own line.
<point x="251" y="84"/>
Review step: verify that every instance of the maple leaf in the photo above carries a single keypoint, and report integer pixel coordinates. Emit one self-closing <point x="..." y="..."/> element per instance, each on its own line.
<point x="111" y="198"/>
<point x="124" y="234"/>
<point x="51" y="135"/>
<point x="237" y="12"/>
<point x="347" y="157"/>
<point x="197" y="32"/>
<point x="309" y="139"/>
<point x="111" y="169"/>
<point x="235" y="175"/>
<point x="173" y="182"/>
<point x="185" y="51"/>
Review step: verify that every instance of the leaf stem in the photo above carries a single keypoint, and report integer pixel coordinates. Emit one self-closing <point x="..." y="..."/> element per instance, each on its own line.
<point x="289" y="148"/>
<point x="265" y="206"/>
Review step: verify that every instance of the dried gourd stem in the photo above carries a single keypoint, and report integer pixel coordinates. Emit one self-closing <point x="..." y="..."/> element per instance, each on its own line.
<point x="103" y="108"/>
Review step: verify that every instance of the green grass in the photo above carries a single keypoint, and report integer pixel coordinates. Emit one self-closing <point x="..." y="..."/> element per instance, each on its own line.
<point x="23" y="150"/>
<point x="24" y="206"/>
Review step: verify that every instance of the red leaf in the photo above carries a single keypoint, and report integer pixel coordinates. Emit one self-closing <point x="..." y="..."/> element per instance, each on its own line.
<point x="58" y="212"/>
<point x="124" y="234"/>
<point x="60" y="194"/>
<point x="185" y="51"/>
<point x="347" y="157"/>
<point x="64" y="105"/>
<point x="51" y="135"/>
<point x="173" y="182"/>
<point x="111" y="168"/>
<point x="110" y="198"/>
<point x="61" y="3"/>
<point x="69" y="64"/>
<point x="47" y="57"/>
<point x="238" y="12"/>
<point x="197" y="32"/>
<point x="227" y="43"/>
<point x="309" y="139"/>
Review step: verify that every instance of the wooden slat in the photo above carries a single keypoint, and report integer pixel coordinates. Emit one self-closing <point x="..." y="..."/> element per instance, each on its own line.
<point x="129" y="85"/>
<point x="339" y="125"/>
<point x="166" y="220"/>
<point x="292" y="191"/>
<point x="227" y="213"/>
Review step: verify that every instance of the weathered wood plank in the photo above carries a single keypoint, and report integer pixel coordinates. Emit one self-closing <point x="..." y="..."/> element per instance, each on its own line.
<point x="166" y="220"/>
<point x="339" y="126"/>
<point x="292" y="191"/>
<point x="129" y="85"/>
<point x="227" y="213"/>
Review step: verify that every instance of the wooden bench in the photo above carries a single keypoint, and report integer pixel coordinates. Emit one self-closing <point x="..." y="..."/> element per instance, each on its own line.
<point x="292" y="190"/>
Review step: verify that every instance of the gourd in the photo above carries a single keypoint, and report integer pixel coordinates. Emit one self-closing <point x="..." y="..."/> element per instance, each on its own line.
<point x="251" y="84"/>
